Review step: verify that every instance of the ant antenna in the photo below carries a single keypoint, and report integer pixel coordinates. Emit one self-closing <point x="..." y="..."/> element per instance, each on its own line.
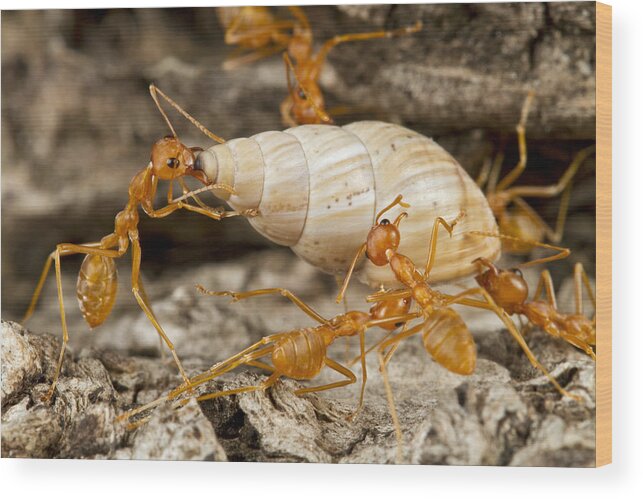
<point x="153" y="91"/>
<point x="399" y="218"/>
<point x="396" y="201"/>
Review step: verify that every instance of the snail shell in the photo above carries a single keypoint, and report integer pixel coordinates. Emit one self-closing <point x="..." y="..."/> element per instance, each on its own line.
<point x="318" y="189"/>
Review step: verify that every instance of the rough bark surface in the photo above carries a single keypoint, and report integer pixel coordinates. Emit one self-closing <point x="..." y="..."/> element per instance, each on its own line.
<point x="505" y="413"/>
<point x="78" y="123"/>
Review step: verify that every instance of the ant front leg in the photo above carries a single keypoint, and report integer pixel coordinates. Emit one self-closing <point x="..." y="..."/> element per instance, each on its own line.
<point x="561" y="252"/>
<point x="237" y="296"/>
<point x="439" y="221"/>
<point x="144" y="304"/>
<point x="581" y="279"/>
<point x="546" y="283"/>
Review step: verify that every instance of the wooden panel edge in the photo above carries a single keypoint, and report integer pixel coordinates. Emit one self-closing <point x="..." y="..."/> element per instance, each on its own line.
<point x="603" y="234"/>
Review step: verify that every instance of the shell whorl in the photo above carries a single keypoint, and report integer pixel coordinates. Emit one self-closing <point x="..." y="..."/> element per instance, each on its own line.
<point x="318" y="189"/>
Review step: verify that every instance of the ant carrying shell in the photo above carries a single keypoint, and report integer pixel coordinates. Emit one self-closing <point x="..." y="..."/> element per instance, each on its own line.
<point x="445" y="336"/>
<point x="97" y="280"/>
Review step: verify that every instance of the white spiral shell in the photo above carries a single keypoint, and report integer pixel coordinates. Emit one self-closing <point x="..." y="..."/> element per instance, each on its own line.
<point x="318" y="189"/>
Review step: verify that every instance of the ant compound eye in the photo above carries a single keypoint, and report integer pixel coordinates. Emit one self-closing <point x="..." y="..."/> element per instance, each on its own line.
<point x="301" y="94"/>
<point x="399" y="324"/>
<point x="386" y="221"/>
<point x="173" y="162"/>
<point x="517" y="272"/>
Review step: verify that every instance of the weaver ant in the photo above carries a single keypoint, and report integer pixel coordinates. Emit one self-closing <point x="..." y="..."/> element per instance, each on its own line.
<point x="445" y="335"/>
<point x="298" y="354"/>
<point x="97" y="281"/>
<point x="520" y="220"/>
<point x="254" y="30"/>
<point x="509" y="290"/>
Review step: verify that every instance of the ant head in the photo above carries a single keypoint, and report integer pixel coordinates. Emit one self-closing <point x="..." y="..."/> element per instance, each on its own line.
<point x="391" y="307"/>
<point x="384" y="235"/>
<point x="308" y="104"/>
<point x="171" y="159"/>
<point x="508" y="288"/>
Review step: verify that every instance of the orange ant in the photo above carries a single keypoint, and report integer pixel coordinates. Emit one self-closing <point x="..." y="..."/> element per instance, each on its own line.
<point x="445" y="335"/>
<point x="305" y="102"/>
<point x="255" y="31"/>
<point x="522" y="222"/>
<point x="299" y="354"/>
<point x="509" y="290"/>
<point x="97" y="280"/>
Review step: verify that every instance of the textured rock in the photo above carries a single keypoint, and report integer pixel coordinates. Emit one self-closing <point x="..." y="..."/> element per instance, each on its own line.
<point x="500" y="415"/>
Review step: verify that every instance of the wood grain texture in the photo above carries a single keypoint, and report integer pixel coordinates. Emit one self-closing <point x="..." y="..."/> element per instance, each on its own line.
<point x="603" y="234"/>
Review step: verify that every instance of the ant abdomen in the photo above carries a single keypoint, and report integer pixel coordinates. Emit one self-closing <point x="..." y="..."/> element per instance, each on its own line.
<point x="300" y="354"/>
<point x="96" y="288"/>
<point x="449" y="341"/>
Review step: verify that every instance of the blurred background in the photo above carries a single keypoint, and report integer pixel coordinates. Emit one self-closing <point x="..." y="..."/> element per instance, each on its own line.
<point x="78" y="121"/>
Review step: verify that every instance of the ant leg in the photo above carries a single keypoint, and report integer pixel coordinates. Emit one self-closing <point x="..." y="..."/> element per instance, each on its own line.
<point x="563" y="185"/>
<point x="69" y="249"/>
<point x="434" y="239"/>
<point x="483" y="175"/>
<point x="395" y="319"/>
<point x="495" y="173"/>
<point x="187" y="191"/>
<point x="43" y="277"/>
<point x="320" y="58"/>
<point x="143" y="303"/>
<point x="546" y="282"/>
<point x="246" y="356"/>
<point x="228" y="365"/>
<point x="352" y="361"/>
<point x="335" y="366"/>
<point x="358" y="255"/>
<point x="267" y="291"/>
<point x="241" y="57"/>
<point x="347" y="340"/>
<point x="580" y="344"/>
<point x="562" y="253"/>
<point x="489" y="304"/>
<point x="144" y="296"/>
<point x="388" y="295"/>
<point x="580" y="279"/>
<point x="513" y="175"/>
<point x="272" y="379"/>
<point x="384" y="359"/>
<point x="554" y="189"/>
